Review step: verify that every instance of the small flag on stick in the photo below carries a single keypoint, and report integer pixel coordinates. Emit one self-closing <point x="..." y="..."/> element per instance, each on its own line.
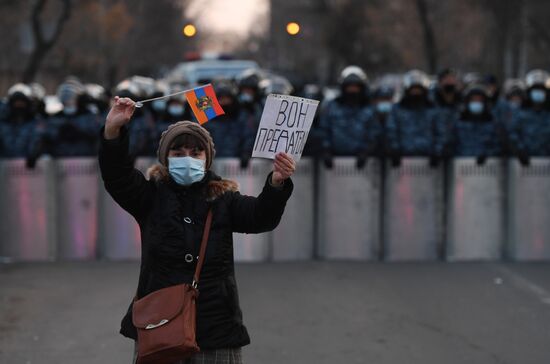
<point x="204" y="103"/>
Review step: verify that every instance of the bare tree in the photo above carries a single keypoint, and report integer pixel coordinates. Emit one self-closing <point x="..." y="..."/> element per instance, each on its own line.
<point x="42" y="45"/>
<point x="430" y="46"/>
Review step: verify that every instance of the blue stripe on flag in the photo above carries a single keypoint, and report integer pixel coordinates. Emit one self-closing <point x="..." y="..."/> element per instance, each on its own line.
<point x="199" y="91"/>
<point x="210" y="112"/>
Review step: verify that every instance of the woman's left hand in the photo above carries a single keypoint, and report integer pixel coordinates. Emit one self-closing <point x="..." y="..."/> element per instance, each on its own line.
<point x="283" y="167"/>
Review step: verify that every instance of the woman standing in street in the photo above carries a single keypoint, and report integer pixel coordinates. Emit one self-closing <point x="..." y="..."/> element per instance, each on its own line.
<point x="171" y="208"/>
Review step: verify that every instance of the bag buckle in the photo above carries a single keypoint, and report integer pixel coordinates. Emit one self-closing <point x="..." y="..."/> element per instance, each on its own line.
<point x="194" y="284"/>
<point x="154" y="326"/>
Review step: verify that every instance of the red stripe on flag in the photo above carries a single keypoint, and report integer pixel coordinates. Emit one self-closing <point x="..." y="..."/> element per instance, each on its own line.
<point x="209" y="91"/>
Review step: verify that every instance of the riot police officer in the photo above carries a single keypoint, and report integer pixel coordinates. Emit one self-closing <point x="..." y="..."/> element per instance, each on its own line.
<point x="411" y="127"/>
<point x="514" y="100"/>
<point x="249" y="91"/>
<point x="19" y="136"/>
<point x="344" y="120"/>
<point x="73" y="131"/>
<point x="447" y="90"/>
<point x="530" y="131"/>
<point x="476" y="132"/>
<point x="231" y="133"/>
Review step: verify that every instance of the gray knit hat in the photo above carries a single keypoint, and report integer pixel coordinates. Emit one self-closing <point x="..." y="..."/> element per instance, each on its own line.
<point x="185" y="127"/>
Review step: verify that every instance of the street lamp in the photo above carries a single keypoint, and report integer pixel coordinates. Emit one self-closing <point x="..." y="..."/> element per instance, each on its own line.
<point x="293" y="28"/>
<point x="189" y="30"/>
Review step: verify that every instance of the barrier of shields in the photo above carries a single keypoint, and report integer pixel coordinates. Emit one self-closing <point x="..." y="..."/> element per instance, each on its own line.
<point x="28" y="226"/>
<point x="413" y="211"/>
<point x="529" y="210"/>
<point x="476" y="210"/>
<point x="77" y="212"/>
<point x="349" y="210"/>
<point x="293" y="238"/>
<point x="120" y="236"/>
<point x="251" y="180"/>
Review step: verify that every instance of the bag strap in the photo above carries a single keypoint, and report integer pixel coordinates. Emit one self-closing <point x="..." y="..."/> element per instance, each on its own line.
<point x="204" y="242"/>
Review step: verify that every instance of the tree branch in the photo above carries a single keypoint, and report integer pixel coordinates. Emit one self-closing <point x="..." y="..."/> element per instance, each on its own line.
<point x="429" y="37"/>
<point x="63" y="17"/>
<point x="36" y="23"/>
<point x="544" y="36"/>
<point x="42" y="45"/>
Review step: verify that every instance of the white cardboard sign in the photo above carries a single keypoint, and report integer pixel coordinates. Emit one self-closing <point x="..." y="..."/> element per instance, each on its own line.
<point x="284" y="126"/>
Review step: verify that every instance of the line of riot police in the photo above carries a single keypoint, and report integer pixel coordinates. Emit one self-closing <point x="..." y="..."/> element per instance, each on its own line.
<point x="453" y="116"/>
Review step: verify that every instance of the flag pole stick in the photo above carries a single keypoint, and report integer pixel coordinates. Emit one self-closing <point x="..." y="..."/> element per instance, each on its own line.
<point x="141" y="102"/>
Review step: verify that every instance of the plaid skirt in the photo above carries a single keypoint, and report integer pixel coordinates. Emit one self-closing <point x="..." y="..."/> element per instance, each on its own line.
<point x="217" y="356"/>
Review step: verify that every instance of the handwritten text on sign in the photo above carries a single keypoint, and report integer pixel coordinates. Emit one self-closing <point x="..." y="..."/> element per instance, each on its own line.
<point x="284" y="127"/>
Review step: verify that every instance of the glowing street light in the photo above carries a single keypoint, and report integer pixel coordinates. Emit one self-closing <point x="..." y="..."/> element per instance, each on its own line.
<point x="189" y="30"/>
<point x="293" y="28"/>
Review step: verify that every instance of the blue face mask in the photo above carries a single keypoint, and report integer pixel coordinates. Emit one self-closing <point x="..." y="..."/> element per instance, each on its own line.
<point x="476" y="107"/>
<point x="70" y="110"/>
<point x="515" y="105"/>
<point x="159" y="105"/>
<point x="186" y="170"/>
<point x="538" y="96"/>
<point x="246" y="98"/>
<point x="175" y="110"/>
<point x="384" y="107"/>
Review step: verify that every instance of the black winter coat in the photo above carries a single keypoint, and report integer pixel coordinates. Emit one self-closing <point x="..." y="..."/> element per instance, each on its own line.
<point x="171" y="220"/>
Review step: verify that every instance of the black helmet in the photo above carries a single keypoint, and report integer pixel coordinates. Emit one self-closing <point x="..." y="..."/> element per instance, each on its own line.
<point x="276" y="85"/>
<point x="249" y="78"/>
<point x="225" y="87"/>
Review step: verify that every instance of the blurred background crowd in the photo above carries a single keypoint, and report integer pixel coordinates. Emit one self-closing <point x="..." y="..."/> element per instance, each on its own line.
<point x="415" y="114"/>
<point x="382" y="107"/>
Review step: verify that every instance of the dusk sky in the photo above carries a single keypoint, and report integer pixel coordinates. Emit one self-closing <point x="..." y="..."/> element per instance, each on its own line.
<point x="228" y="16"/>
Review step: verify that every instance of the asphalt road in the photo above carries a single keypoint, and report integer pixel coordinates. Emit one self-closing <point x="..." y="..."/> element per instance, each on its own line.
<point x="307" y="312"/>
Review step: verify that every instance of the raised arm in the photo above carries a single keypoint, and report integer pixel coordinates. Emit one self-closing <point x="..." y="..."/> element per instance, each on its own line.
<point x="125" y="184"/>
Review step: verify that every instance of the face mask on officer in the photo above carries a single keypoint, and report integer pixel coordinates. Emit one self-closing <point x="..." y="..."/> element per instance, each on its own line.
<point x="384" y="107"/>
<point x="246" y="98"/>
<point x="416" y="95"/>
<point x="538" y="96"/>
<point x="228" y="104"/>
<point x="476" y="107"/>
<point x="514" y="104"/>
<point x="20" y="106"/>
<point x="514" y="101"/>
<point x="186" y="170"/>
<point x="175" y="110"/>
<point x="353" y="93"/>
<point x="70" y="110"/>
<point x="159" y="105"/>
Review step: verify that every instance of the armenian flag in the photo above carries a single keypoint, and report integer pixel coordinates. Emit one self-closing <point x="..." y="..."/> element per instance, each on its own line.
<point x="204" y="103"/>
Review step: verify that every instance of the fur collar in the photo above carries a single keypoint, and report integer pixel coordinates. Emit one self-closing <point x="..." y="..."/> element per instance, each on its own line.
<point x="216" y="186"/>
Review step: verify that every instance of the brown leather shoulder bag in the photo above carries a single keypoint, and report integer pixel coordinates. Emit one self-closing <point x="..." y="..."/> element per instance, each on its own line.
<point x="166" y="319"/>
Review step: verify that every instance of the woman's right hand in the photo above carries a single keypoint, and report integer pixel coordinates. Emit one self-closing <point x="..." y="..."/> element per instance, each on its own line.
<point x="118" y="116"/>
